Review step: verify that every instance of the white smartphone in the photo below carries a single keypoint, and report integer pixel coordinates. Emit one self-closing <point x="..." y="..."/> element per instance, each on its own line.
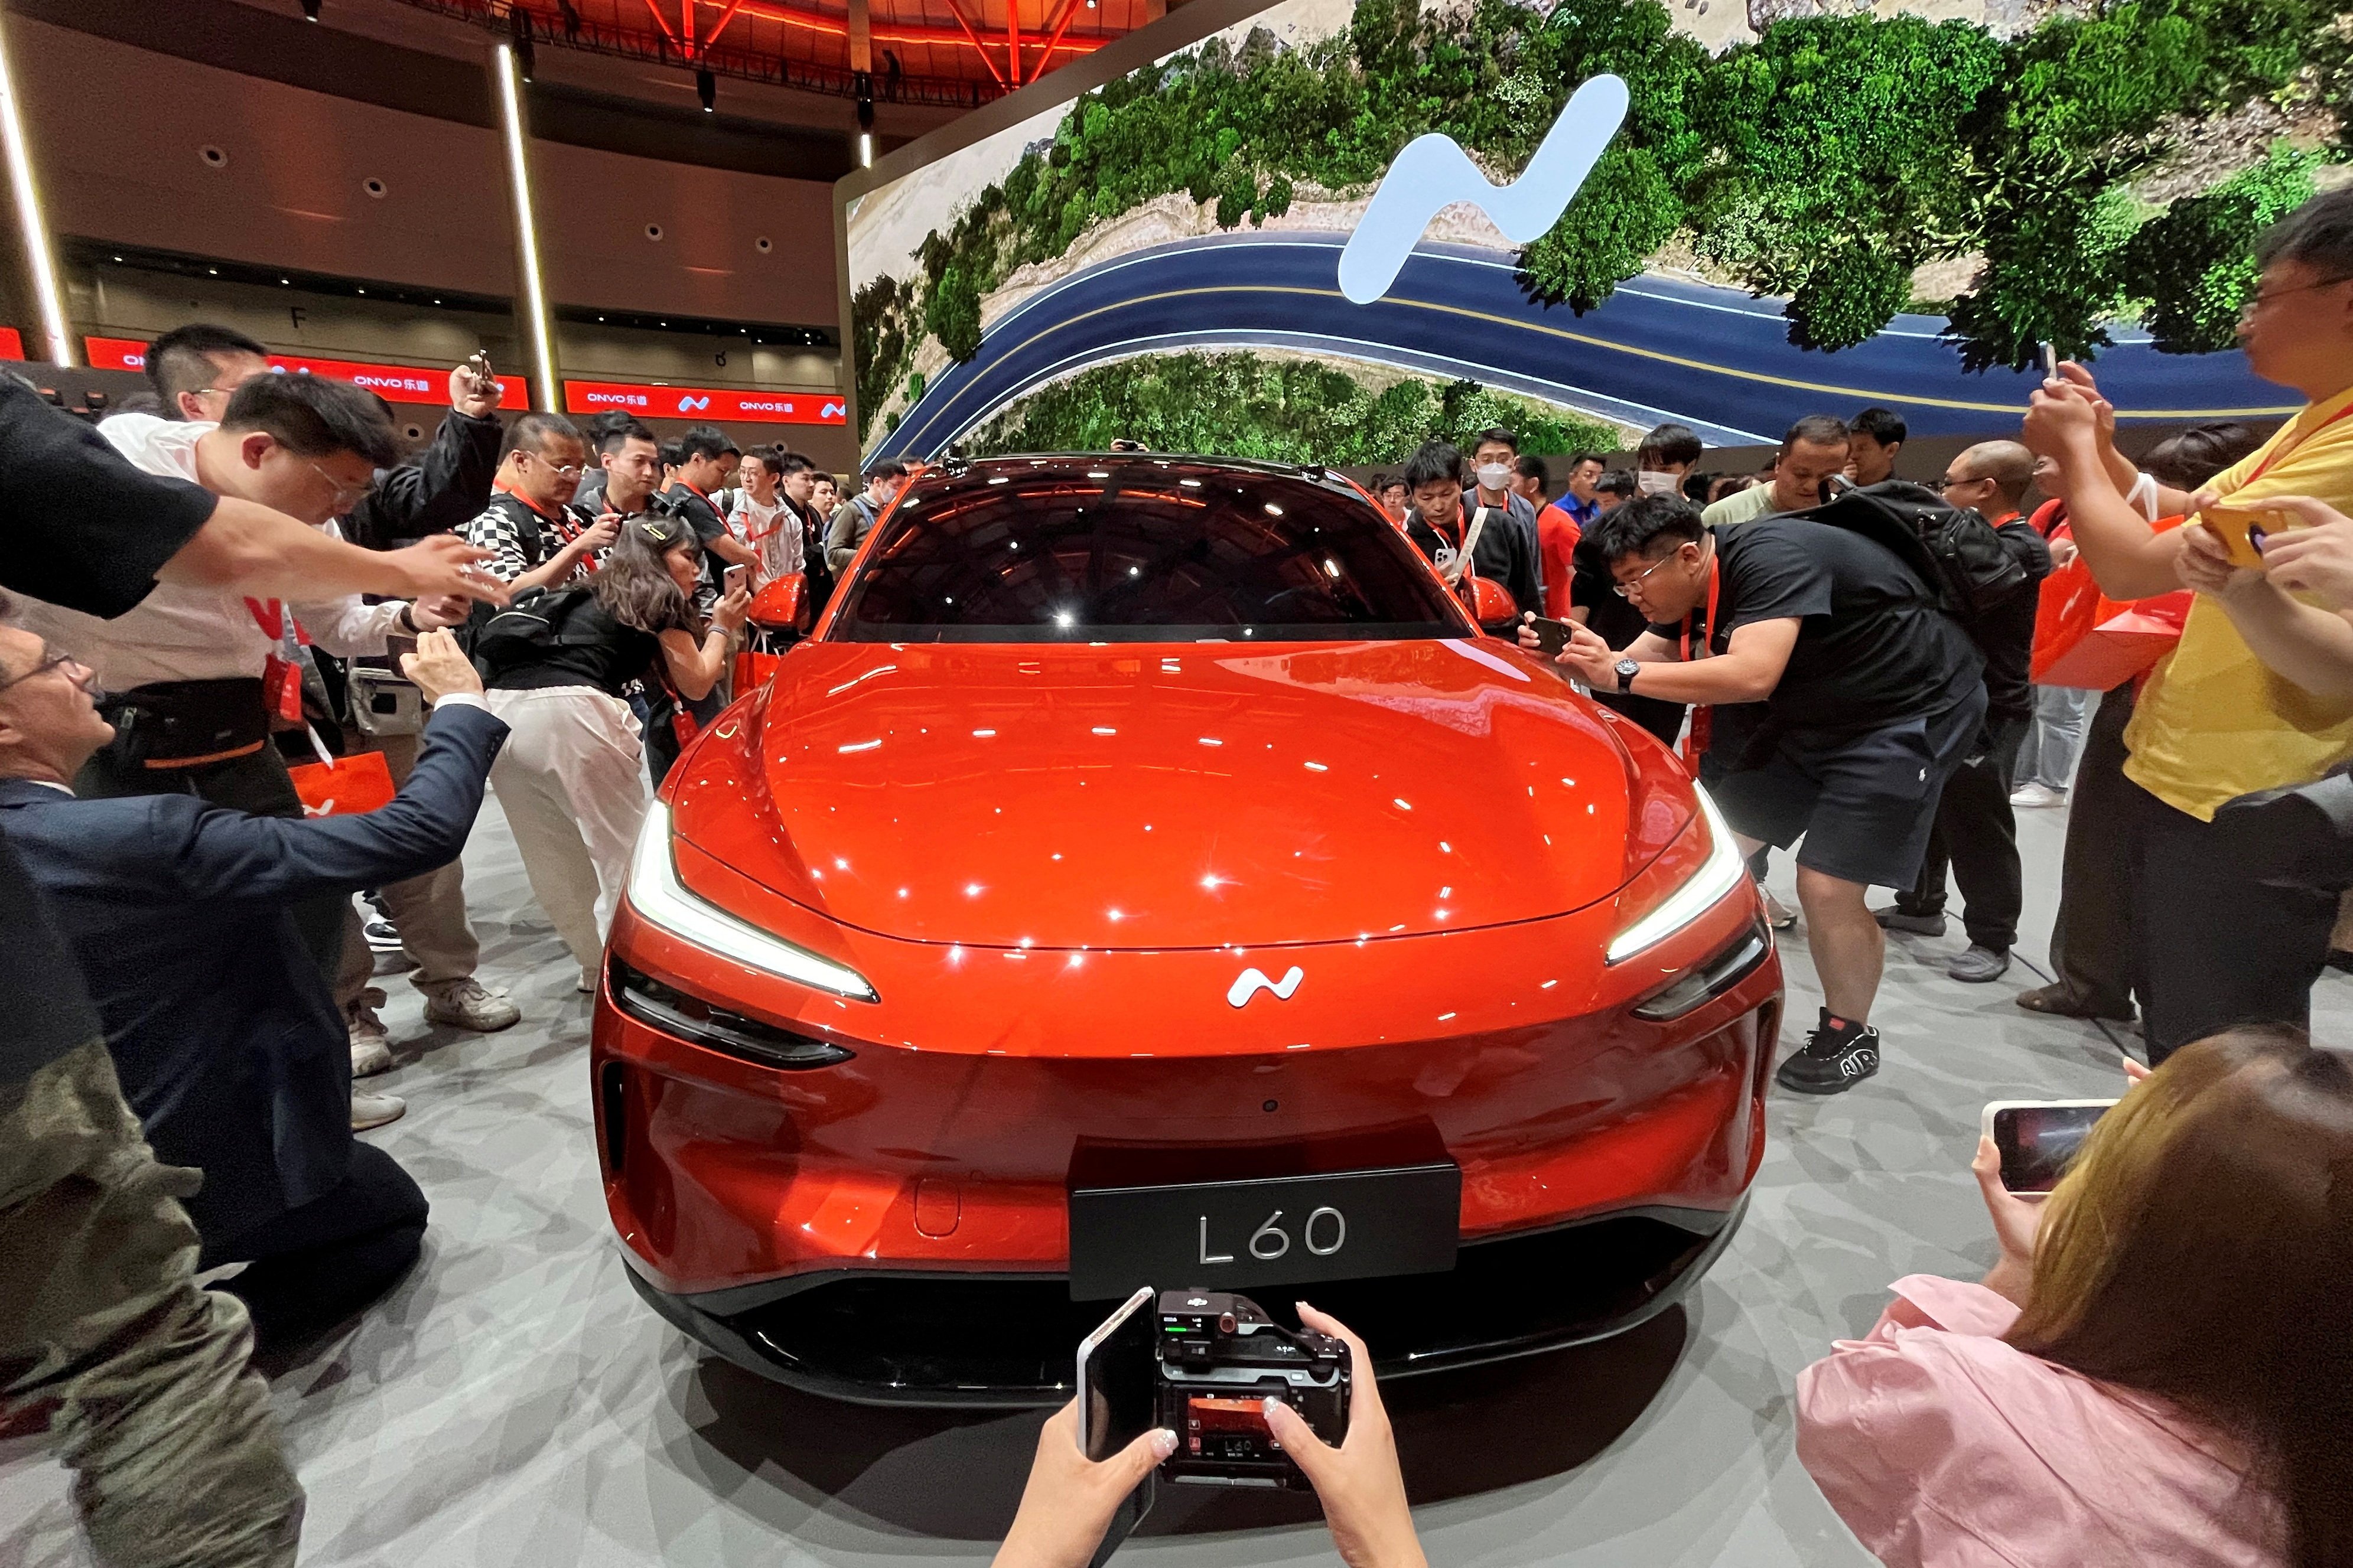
<point x="2050" y="362"/>
<point x="2039" y="1139"/>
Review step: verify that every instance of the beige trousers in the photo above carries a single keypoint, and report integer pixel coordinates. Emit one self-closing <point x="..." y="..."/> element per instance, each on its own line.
<point x="430" y="910"/>
<point x="571" y="781"/>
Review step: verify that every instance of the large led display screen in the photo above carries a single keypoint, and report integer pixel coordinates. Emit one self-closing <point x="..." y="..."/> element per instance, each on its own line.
<point x="1729" y="216"/>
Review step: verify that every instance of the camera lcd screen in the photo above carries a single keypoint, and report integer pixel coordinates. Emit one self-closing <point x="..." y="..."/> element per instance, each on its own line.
<point x="2038" y="1143"/>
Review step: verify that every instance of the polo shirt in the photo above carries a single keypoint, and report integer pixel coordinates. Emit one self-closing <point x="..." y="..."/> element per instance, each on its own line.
<point x="2213" y="722"/>
<point x="1743" y="506"/>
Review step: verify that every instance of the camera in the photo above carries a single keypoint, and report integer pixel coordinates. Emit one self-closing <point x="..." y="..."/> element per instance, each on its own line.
<point x="1221" y="1357"/>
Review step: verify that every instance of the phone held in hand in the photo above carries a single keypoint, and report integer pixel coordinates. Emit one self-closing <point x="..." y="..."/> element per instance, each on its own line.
<point x="735" y="577"/>
<point x="1552" y="636"/>
<point x="2242" y="532"/>
<point x="480" y="363"/>
<point x="399" y="645"/>
<point x="2039" y="1139"/>
<point x="2050" y="362"/>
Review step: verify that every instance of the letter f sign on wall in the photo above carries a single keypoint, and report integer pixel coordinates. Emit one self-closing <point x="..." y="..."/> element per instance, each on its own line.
<point x="1433" y="172"/>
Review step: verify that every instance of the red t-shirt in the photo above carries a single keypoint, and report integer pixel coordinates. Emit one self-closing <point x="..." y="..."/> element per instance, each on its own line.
<point x="1556" y="537"/>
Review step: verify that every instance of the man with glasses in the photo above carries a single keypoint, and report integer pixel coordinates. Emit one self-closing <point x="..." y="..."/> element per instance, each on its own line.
<point x="195" y="679"/>
<point x="1976" y="835"/>
<point x="2219" y="943"/>
<point x="535" y="540"/>
<point x="1867" y="697"/>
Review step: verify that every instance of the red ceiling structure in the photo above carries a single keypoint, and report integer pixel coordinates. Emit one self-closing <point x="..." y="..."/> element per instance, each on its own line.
<point x="958" y="52"/>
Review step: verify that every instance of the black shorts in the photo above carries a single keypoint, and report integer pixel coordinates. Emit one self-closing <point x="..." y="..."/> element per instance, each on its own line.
<point x="1864" y="803"/>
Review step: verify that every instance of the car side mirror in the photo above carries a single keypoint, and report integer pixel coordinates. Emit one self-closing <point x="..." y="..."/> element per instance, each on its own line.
<point x="778" y="607"/>
<point x="1492" y="606"/>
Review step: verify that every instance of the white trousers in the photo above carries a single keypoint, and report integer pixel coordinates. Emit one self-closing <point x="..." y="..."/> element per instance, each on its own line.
<point x="571" y="782"/>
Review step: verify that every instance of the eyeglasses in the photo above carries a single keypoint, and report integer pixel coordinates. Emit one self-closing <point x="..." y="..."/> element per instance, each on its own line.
<point x="2257" y="301"/>
<point x="561" y="470"/>
<point x="1626" y="590"/>
<point x="50" y="662"/>
<point x="346" y="496"/>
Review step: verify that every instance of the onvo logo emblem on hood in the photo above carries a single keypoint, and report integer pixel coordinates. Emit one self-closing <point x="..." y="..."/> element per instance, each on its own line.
<point x="1434" y="173"/>
<point x="1254" y="981"/>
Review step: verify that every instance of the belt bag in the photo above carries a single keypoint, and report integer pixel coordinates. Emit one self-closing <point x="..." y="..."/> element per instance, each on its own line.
<point x="2299" y="837"/>
<point x="384" y="703"/>
<point x="187" y="723"/>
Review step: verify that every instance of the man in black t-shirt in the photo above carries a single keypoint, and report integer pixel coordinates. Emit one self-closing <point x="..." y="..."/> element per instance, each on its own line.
<point x="1869" y="698"/>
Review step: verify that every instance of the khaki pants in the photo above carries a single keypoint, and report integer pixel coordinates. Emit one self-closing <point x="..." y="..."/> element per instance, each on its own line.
<point x="175" y="1457"/>
<point x="570" y="780"/>
<point x="430" y="910"/>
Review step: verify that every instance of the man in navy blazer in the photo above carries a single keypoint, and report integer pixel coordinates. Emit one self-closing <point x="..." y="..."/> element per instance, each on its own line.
<point x="223" y="1032"/>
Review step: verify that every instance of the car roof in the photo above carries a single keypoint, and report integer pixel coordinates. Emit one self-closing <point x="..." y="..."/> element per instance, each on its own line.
<point x="1176" y="464"/>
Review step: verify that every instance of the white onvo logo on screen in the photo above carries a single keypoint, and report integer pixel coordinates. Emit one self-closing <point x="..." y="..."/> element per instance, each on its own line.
<point x="1433" y="172"/>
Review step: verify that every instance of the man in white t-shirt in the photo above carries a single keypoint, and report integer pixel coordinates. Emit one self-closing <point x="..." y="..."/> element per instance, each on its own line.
<point x="1814" y="449"/>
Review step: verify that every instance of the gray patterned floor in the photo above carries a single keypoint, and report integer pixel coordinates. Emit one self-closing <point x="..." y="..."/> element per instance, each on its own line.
<point x="514" y="1404"/>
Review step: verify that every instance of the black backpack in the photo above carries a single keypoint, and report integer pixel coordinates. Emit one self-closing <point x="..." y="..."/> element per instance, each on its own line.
<point x="1955" y="551"/>
<point x="537" y="622"/>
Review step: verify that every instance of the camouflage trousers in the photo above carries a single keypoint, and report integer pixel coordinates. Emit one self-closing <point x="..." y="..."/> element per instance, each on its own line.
<point x="175" y="1455"/>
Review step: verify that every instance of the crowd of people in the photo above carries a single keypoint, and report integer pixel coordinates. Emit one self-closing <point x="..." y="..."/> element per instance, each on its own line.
<point x="1845" y="660"/>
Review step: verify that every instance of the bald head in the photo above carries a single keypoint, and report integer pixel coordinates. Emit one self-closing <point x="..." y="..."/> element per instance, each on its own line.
<point x="1992" y="475"/>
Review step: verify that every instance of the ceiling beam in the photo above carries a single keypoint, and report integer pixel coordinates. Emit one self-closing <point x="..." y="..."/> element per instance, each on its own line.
<point x="977" y="46"/>
<point x="1046" y="55"/>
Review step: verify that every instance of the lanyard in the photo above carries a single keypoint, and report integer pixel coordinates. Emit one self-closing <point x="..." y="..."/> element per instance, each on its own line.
<point x="561" y="522"/>
<point x="2264" y="467"/>
<point x="272" y="619"/>
<point x="1702" y="721"/>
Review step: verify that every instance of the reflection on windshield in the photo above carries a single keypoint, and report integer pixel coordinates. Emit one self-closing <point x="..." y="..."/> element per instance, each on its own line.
<point x="1140" y="551"/>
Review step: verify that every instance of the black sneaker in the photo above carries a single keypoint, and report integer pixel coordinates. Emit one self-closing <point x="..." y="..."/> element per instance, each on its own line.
<point x="1837" y="1056"/>
<point x="381" y="936"/>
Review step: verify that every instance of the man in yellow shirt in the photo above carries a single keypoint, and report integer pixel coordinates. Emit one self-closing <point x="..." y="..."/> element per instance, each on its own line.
<point x="2218" y="946"/>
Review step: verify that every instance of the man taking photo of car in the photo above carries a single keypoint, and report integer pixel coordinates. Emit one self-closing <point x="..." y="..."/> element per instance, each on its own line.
<point x="1870" y="697"/>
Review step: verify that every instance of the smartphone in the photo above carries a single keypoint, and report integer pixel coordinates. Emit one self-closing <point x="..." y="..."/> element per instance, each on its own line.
<point x="1118" y="1378"/>
<point x="2039" y="1139"/>
<point x="2244" y="532"/>
<point x="1551" y="635"/>
<point x="1119" y="1387"/>
<point x="734" y="578"/>
<point x="2050" y="362"/>
<point x="480" y="363"/>
<point x="396" y="645"/>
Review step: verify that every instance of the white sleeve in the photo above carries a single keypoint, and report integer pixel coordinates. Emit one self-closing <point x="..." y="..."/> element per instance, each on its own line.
<point x="349" y="627"/>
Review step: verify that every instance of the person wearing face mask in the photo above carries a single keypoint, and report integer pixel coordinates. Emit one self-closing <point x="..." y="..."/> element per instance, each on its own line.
<point x="1815" y="449"/>
<point x="1507" y="549"/>
<point x="1665" y="458"/>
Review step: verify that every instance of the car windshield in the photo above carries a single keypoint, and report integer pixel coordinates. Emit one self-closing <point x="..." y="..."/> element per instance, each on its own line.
<point x="1127" y="550"/>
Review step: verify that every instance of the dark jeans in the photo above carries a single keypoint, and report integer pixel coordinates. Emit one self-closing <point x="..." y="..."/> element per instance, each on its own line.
<point x="1976" y="837"/>
<point x="2093" y="946"/>
<point x="315" y="1265"/>
<point x="257" y="783"/>
<point x="2219" y="947"/>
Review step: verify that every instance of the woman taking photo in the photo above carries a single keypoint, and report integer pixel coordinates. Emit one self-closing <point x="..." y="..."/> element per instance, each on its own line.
<point x="2160" y="1369"/>
<point x="569" y="778"/>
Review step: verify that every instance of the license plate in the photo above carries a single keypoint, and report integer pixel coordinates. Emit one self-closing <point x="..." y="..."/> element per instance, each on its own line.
<point x="1291" y="1230"/>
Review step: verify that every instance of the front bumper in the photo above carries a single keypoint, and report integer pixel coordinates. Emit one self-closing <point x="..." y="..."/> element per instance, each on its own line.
<point x="975" y="1341"/>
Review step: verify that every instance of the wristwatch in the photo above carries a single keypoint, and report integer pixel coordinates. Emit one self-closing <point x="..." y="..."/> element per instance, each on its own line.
<point x="1627" y="669"/>
<point x="409" y="621"/>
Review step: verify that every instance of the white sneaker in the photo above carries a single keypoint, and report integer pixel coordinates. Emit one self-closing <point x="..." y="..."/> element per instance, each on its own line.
<point x="470" y="1005"/>
<point x="586" y="983"/>
<point x="2037" y="794"/>
<point x="375" y="1110"/>
<point x="371" y="1045"/>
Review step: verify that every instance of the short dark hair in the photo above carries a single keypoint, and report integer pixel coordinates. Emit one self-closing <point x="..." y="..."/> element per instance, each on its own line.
<point x="1534" y="469"/>
<point x="669" y="453"/>
<point x="1883" y="425"/>
<point x="532" y="432"/>
<point x="793" y="462"/>
<point x="2319" y="233"/>
<point x="1497" y="434"/>
<point x="1636" y="528"/>
<point x="1434" y="461"/>
<point x="1695" y="486"/>
<point x="2188" y="459"/>
<point x="315" y="416"/>
<point x="887" y="469"/>
<point x="704" y="441"/>
<point x="1615" y="482"/>
<point x="1672" y="445"/>
<point x="182" y="359"/>
<point x="1582" y="459"/>
<point x="615" y="431"/>
<point x="1816" y="431"/>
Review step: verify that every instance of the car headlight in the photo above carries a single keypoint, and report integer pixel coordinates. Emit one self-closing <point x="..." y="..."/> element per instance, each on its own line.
<point x="661" y="899"/>
<point x="1723" y="871"/>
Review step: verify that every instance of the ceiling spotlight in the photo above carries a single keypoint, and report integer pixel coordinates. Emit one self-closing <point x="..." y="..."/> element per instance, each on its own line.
<point x="310" y="10"/>
<point x="706" y="88"/>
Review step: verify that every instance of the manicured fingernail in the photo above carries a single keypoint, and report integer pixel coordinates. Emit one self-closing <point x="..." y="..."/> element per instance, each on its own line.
<point x="1164" y="1442"/>
<point x="1267" y="1405"/>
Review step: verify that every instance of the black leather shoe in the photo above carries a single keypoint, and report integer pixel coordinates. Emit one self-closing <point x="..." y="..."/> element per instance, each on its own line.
<point x="1832" y="1061"/>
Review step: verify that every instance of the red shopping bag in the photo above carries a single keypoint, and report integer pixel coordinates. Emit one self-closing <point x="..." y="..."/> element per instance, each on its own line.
<point x="2083" y="638"/>
<point x="342" y="786"/>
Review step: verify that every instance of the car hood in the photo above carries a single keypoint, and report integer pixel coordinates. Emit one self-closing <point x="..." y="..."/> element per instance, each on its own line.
<point x="1172" y="795"/>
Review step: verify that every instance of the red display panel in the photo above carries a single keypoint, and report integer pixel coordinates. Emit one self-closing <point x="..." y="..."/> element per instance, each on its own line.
<point x="392" y="382"/>
<point x="12" y="344"/>
<point x="716" y="404"/>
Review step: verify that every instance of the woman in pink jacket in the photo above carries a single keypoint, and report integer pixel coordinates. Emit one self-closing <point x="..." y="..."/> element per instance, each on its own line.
<point x="2160" y="1369"/>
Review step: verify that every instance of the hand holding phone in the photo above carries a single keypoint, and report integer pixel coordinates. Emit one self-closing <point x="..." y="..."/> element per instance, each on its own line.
<point x="1552" y="636"/>
<point x="2050" y="362"/>
<point x="2037" y="1139"/>
<point x="2243" y="532"/>
<point x="735" y="579"/>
